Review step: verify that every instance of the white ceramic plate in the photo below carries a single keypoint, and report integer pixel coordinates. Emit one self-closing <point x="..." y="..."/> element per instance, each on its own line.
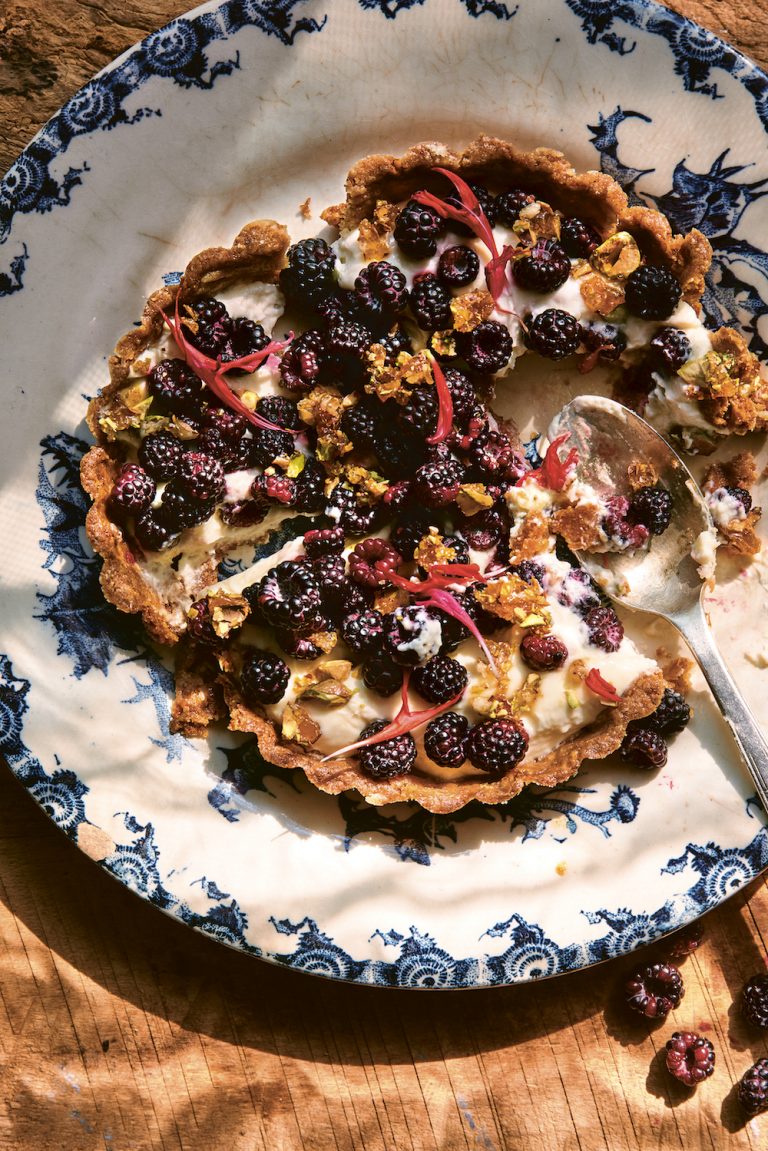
<point x="244" y="110"/>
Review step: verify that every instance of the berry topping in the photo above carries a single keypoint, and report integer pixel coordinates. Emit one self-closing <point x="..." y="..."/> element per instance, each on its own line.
<point x="133" y="492"/>
<point x="445" y="739"/>
<point x="463" y="396"/>
<point x="544" y="268"/>
<point x="644" y="748"/>
<point x="436" y="484"/>
<point x="309" y="275"/>
<point x="412" y="635"/>
<point x="497" y="745"/>
<point x="495" y="458"/>
<point x="484" y="529"/>
<point x="604" y="342"/>
<point x="458" y="267"/>
<point x="578" y="238"/>
<point x="363" y="631"/>
<point x="380" y="287"/>
<point x="175" y="384"/>
<point x="289" y="597"/>
<point x="391" y="757"/>
<point x="243" y="513"/>
<point x="353" y="519"/>
<point x="152" y="534"/>
<point x="652" y="507"/>
<point x="243" y="338"/>
<point x="179" y="510"/>
<point x="202" y="477"/>
<point x="487" y="347"/>
<point x="230" y="425"/>
<point x="371" y="560"/>
<point x="279" y="410"/>
<point x="690" y="1057"/>
<point x="672" y="714"/>
<point x="580" y="592"/>
<point x="160" y="455"/>
<point x="420" y="413"/>
<point x="753" y="1088"/>
<point x="543" y="652"/>
<point x="417" y="229"/>
<point x="282" y="489"/>
<point x="346" y="345"/>
<point x="654" y="990"/>
<point x="669" y="349"/>
<point x="440" y="679"/>
<point x="530" y="570"/>
<point x="382" y="675"/>
<point x="553" y="333"/>
<point x="605" y="628"/>
<point x="207" y="311"/>
<point x="267" y="446"/>
<point x="652" y="293"/>
<point x="324" y="542"/>
<point x="303" y="361"/>
<point x="264" y="677"/>
<point x="431" y="304"/>
<point x="754" y="1001"/>
<point x="617" y="526"/>
<point x="200" y="623"/>
<point x="508" y="205"/>
<point x="297" y="646"/>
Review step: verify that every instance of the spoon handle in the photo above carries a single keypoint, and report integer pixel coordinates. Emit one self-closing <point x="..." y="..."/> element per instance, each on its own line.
<point x="749" y="738"/>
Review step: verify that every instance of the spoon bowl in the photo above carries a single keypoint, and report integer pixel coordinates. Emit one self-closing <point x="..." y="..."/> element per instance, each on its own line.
<point x="668" y="578"/>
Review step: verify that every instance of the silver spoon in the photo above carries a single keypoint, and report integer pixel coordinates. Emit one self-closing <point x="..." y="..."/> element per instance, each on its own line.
<point x="665" y="579"/>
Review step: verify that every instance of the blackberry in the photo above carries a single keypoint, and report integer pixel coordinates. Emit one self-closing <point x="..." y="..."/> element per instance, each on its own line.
<point x="331" y="572"/>
<point x="753" y="1088"/>
<point x="463" y="396"/>
<point x="267" y="446"/>
<point x="297" y="646"/>
<point x="497" y="745"/>
<point x="644" y="748"/>
<point x="545" y="268"/>
<point x="417" y="229"/>
<point x="409" y="529"/>
<point x="310" y="487"/>
<point x="394" y="343"/>
<point x="445" y="739"/>
<point x="543" y="652"/>
<point x="233" y="456"/>
<point x="381" y="289"/>
<point x="420" y="414"/>
<point x="202" y="477"/>
<point x="396" y="496"/>
<point x="264" y="677"/>
<point x="672" y="714"/>
<point x="354" y="519"/>
<point x="606" y="340"/>
<point x="346" y="345"/>
<point x="382" y="675"/>
<point x="363" y="631"/>
<point x="685" y="942"/>
<point x="605" y="628"/>
<point x="412" y="635"/>
<point x="279" y="410"/>
<point x="580" y="592"/>
<point x="487" y="207"/>
<point x="458" y="267"/>
<point x="652" y="507"/>
<point x="243" y="513"/>
<point x="754" y="1001"/>
<point x="323" y="542"/>
<point x="654" y="990"/>
<point x="578" y="238"/>
<point x="742" y="495"/>
<point x="484" y="529"/>
<point x="302" y="362"/>
<point x="553" y="333"/>
<point x="436" y="484"/>
<point x="372" y="560"/>
<point x="669" y="349"/>
<point x="508" y="205"/>
<point x="277" y="487"/>
<point x="244" y="337"/>
<point x="309" y="275"/>
<point x="652" y="293"/>
<point x="152" y="534"/>
<point x="207" y="310"/>
<point x="629" y="535"/>
<point x="362" y="423"/>
<point x="487" y="347"/>
<point x="390" y="758"/>
<point x="340" y="596"/>
<point x="341" y="305"/>
<point x="399" y="453"/>
<point x="133" y="491"/>
<point x="200" y="623"/>
<point x="690" y="1058"/>
<point x="160" y="455"/>
<point x="440" y="679"/>
<point x="529" y="570"/>
<point x="231" y="426"/>
<point x="495" y="457"/>
<point x="175" y="384"/>
<point x="431" y="304"/>
<point x="289" y="597"/>
<point x="178" y="510"/>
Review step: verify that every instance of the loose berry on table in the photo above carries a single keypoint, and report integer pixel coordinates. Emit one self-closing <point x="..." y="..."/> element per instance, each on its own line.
<point x="690" y="1057"/>
<point x="754" y="1001"/>
<point x="655" y="989"/>
<point x="753" y="1088"/>
<point x="644" y="748"/>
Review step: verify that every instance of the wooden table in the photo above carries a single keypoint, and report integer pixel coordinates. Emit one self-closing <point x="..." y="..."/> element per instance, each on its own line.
<point x="121" y="1029"/>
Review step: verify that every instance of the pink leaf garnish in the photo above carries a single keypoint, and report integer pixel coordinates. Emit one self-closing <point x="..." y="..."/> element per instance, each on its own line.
<point x="443" y="599"/>
<point x="496" y="275"/>
<point x="213" y="372"/>
<point x="445" y="405"/>
<point x="405" y="721"/>
<point x="554" y="472"/>
<point x="601" y="687"/>
<point x="440" y="576"/>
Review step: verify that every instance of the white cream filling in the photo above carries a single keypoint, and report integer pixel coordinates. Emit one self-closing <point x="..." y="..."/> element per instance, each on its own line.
<point x="724" y="507"/>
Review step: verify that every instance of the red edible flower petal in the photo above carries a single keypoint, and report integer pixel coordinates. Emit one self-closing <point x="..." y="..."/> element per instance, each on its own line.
<point x="445" y="405"/>
<point x="405" y="721"/>
<point x="496" y="275"/>
<point x="601" y="687"/>
<point x="439" y="576"/>
<point x="554" y="472"/>
<point x="443" y="599"/>
<point x="470" y="212"/>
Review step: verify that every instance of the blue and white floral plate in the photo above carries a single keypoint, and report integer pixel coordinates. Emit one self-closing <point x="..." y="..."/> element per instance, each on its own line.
<point x="242" y="110"/>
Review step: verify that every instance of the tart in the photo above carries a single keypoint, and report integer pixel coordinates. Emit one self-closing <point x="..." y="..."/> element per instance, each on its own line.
<point x="423" y="632"/>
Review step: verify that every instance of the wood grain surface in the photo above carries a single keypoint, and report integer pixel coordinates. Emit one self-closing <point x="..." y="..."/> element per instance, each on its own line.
<point x="121" y="1029"/>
